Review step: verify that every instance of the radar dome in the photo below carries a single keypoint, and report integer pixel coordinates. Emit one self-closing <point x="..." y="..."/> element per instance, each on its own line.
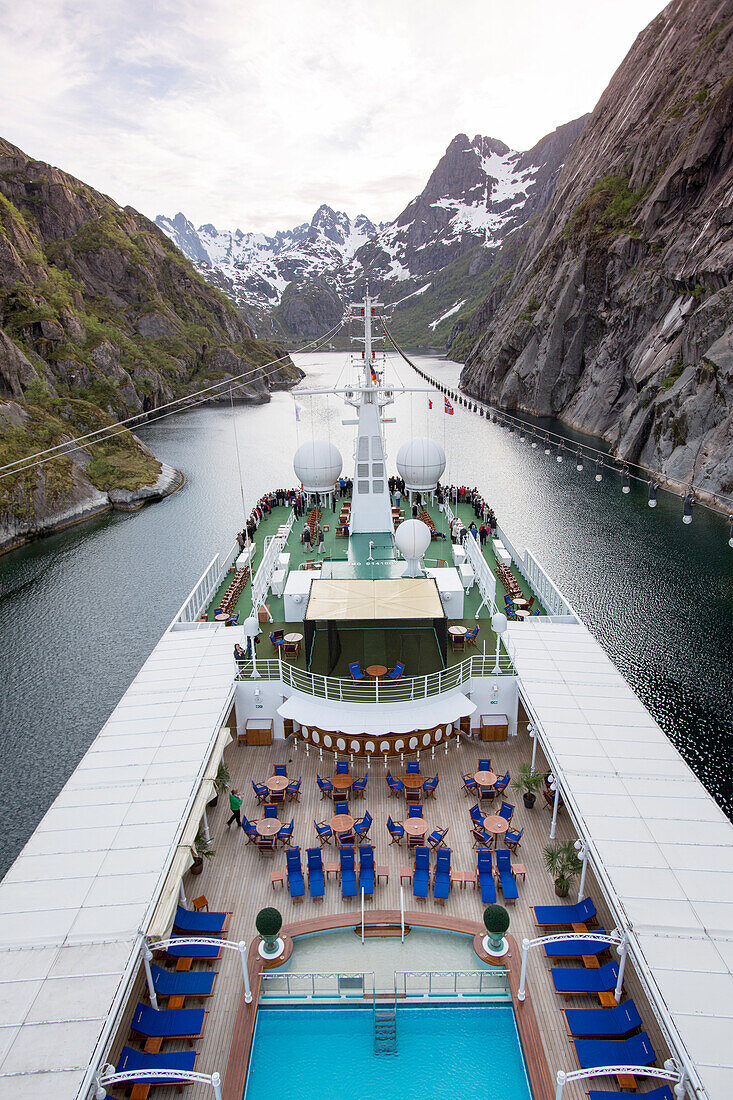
<point x="412" y="538"/>
<point x="420" y="463"/>
<point x="317" y="465"/>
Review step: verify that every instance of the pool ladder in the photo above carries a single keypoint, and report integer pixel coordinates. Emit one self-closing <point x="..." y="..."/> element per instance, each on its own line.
<point x="385" y="1026"/>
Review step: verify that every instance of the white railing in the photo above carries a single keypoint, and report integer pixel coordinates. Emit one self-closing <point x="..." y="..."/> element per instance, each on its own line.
<point x="311" y="985"/>
<point x="485" y="579"/>
<point x="406" y="689"/>
<point x="273" y="547"/>
<point x="484" y="984"/>
<point x="202" y="593"/>
<point x="549" y="594"/>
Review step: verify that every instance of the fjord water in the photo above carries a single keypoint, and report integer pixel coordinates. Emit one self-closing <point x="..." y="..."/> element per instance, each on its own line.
<point x="81" y="610"/>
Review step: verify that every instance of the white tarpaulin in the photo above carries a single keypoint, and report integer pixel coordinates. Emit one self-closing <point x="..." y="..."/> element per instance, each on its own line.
<point x="366" y="600"/>
<point x="376" y="719"/>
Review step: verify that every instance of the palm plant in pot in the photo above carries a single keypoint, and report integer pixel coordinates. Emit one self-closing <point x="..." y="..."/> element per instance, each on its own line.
<point x="561" y="860"/>
<point x="269" y="922"/>
<point x="496" y="921"/>
<point x="201" y="850"/>
<point x="527" y="782"/>
<point x="221" y="782"/>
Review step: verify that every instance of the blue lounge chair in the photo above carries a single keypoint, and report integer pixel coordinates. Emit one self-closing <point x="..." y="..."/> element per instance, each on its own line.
<point x="191" y="951"/>
<point x="441" y="882"/>
<point x="348" y="873"/>
<point x="605" y="1023"/>
<point x="430" y="786"/>
<point x="484" y="765"/>
<point x="341" y="808"/>
<point x="664" y="1092"/>
<point x="503" y="783"/>
<point x="250" y="830"/>
<point x="131" y="1059"/>
<point x="414" y="811"/>
<point x="396" y="830"/>
<point x="175" y="983"/>
<point x="476" y="816"/>
<point x="469" y="784"/>
<point x="481" y="838"/>
<point x="506" y="810"/>
<point x="575" y="949"/>
<point x="285" y="836"/>
<point x="636" y="1051"/>
<point x="280" y="769"/>
<point x="358" y="787"/>
<point x="573" y="979"/>
<point x="316" y="884"/>
<point x="293" y="790"/>
<point x="396" y="672"/>
<point x="296" y="885"/>
<point x="277" y="638"/>
<point x="413" y="767"/>
<point x="342" y="767"/>
<point x="325" y="785"/>
<point x="200" y="924"/>
<point x="366" y="870"/>
<point x="270" y="811"/>
<point x="362" y="827"/>
<point x="506" y="878"/>
<point x="396" y="786"/>
<point x="486" y="877"/>
<point x="356" y="671"/>
<point x="512" y="838"/>
<point x="261" y="791"/>
<point x="563" y="916"/>
<point x="421" y="873"/>
<point x="436" y="838"/>
<point x="179" y="1023"/>
<point x="325" y="832"/>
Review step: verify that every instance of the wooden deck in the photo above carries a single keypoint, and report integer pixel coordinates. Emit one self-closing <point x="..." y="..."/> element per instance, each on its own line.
<point x="237" y="878"/>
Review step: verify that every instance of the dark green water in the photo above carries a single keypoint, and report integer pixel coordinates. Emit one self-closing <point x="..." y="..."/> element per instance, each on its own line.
<point x="80" y="611"/>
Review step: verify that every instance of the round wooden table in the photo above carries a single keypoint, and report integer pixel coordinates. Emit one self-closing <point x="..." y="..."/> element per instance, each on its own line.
<point x="485" y="779"/>
<point x="496" y="825"/>
<point x="520" y="601"/>
<point x="458" y="631"/>
<point x="521" y="614"/>
<point x="220" y="616"/>
<point x="375" y="672"/>
<point x="416" y="826"/>
<point x="277" y="783"/>
<point x="342" y="823"/>
<point x="293" y="639"/>
<point x="342" y="782"/>
<point x="269" y="826"/>
<point x="413" y="781"/>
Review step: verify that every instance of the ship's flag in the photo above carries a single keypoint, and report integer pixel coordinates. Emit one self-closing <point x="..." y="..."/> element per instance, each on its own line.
<point x="448" y="407"/>
<point x="430" y="403"/>
<point x="298" y="410"/>
<point x="374" y="376"/>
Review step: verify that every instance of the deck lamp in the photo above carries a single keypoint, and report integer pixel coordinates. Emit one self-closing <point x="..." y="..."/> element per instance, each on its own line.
<point x="547" y="444"/>
<point x="599" y="469"/>
<point x="730" y="540"/>
<point x="687" y="508"/>
<point x="652" y="501"/>
<point x="579" y="460"/>
<point x="534" y="441"/>
<point x="625" y="484"/>
<point x="559" y="454"/>
<point x="498" y="625"/>
<point x="522" y="436"/>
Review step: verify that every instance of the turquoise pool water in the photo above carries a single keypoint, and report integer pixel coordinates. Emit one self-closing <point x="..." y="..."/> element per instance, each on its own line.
<point x="442" y="1053"/>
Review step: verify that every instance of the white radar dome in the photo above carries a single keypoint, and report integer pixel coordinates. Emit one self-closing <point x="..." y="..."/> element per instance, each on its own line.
<point x="412" y="538"/>
<point x="420" y="463"/>
<point x="317" y="465"/>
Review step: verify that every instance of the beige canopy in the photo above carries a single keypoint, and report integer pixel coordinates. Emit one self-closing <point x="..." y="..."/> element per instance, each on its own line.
<point x="363" y="600"/>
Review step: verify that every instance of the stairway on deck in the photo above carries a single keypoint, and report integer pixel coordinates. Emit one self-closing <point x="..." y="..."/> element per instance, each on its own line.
<point x="385" y="1027"/>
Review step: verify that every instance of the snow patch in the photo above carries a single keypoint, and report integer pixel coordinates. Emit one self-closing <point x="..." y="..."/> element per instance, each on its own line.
<point x="448" y="313"/>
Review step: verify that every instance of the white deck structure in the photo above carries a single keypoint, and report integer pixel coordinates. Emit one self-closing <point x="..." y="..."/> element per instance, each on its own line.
<point x="87" y="881"/>
<point x="658" y="840"/>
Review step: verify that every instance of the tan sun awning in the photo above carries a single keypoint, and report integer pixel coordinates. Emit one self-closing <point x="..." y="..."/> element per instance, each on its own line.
<point x="361" y="600"/>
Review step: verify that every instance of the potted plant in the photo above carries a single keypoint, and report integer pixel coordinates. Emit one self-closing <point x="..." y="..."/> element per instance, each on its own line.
<point x="201" y="850"/>
<point x="526" y="783"/>
<point x="496" y="920"/>
<point x="269" y="922"/>
<point x="221" y="783"/>
<point x="561" y="860"/>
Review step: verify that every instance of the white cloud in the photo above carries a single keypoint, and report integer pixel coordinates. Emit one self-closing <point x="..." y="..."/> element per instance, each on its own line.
<point x="252" y="113"/>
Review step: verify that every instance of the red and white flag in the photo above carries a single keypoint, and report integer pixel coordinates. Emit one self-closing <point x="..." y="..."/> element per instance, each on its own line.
<point x="430" y="403"/>
<point x="448" y="407"/>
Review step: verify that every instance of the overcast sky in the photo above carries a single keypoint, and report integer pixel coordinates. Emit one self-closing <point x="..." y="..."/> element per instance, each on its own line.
<point x="251" y="113"/>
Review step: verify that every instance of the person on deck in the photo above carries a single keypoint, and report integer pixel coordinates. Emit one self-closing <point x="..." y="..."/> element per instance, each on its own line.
<point x="235" y="805"/>
<point x="321" y="543"/>
<point x="240" y="656"/>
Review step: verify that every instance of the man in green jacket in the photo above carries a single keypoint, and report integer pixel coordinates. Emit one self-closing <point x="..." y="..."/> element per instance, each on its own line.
<point x="235" y="805"/>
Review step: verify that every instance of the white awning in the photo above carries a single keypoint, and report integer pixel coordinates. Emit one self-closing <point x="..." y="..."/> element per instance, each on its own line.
<point x="376" y="719"/>
<point x="366" y="600"/>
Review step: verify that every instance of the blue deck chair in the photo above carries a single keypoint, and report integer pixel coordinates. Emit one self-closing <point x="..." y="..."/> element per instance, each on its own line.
<point x="178" y="1023"/>
<point x="200" y="924"/>
<point x="573" y="979"/>
<point x="436" y="838"/>
<point x="342" y="767"/>
<point x="192" y="951"/>
<point x="250" y="830"/>
<point x="636" y="1051"/>
<point x="325" y="832"/>
<point x="421" y="873"/>
<point x="664" y="1092"/>
<point x="366" y="870"/>
<point x="261" y="791"/>
<point x="396" y="831"/>
<point x="348" y="873"/>
<point x="430" y="786"/>
<point x="396" y="786"/>
<point x="174" y="983"/>
<point x="412" y="798"/>
<point x="356" y="672"/>
<point x="606" y="1023"/>
<point x="277" y="639"/>
<point x="325" y="785"/>
<point x="471" y="636"/>
<point x="575" y="949"/>
<point x="537" y="612"/>
<point x="296" y="885"/>
<point x="358" y="787"/>
<point x="470" y="785"/>
<point x="562" y="916"/>
<point x="486" y="877"/>
<point x="362" y="827"/>
<point x="341" y="808"/>
<point x="476" y="816"/>
<point x="506" y="810"/>
<point x="293" y="790"/>
<point x="396" y="672"/>
<point x="280" y="769"/>
<point x="484" y="765"/>
<point x="512" y="838"/>
<point x="414" y="811"/>
<point x="506" y="878"/>
<point x="481" y="838"/>
<point x="285" y="836"/>
<point x="270" y="811"/>
<point x="413" y="767"/>
<point x="503" y="783"/>
<point x="131" y="1059"/>
<point x="441" y="882"/>
<point x="316" y="884"/>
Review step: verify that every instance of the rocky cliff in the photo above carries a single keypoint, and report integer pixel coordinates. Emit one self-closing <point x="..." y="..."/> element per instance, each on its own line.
<point x="617" y="316"/>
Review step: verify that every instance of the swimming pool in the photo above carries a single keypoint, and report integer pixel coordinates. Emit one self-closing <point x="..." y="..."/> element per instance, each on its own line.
<point x="441" y="1053"/>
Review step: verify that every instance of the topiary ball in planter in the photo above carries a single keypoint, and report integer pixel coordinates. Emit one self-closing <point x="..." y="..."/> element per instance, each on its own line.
<point x="496" y="920"/>
<point x="269" y="922"/>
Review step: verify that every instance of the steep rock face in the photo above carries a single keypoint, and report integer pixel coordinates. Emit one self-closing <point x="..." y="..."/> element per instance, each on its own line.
<point x="100" y="318"/>
<point x="619" y="315"/>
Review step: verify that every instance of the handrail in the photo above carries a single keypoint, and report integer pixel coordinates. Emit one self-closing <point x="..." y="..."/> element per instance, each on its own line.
<point x="315" y="977"/>
<point x="406" y="689"/>
<point x="362" y="914"/>
<point x="402" y="912"/>
<point x="550" y="595"/>
<point x="481" y="979"/>
<point x="273" y="548"/>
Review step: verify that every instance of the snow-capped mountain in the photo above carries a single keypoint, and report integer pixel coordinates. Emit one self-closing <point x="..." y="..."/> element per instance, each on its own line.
<point x="255" y="269"/>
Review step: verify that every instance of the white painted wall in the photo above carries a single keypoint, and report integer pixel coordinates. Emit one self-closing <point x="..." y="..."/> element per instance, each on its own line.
<point x="505" y="700"/>
<point x="265" y="706"/>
